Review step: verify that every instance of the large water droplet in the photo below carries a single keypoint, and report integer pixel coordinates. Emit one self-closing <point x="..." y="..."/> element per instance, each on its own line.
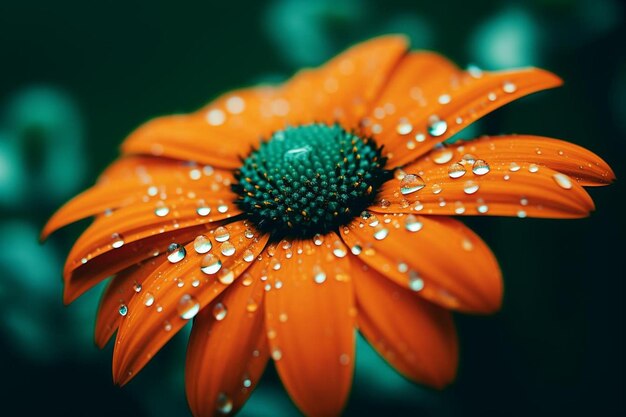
<point x="248" y="255"/>
<point x="470" y="187"/>
<point x="118" y="241"/>
<point x="161" y="209"/>
<point x="514" y="167"/>
<point x="562" y="180"/>
<point x="188" y="307"/>
<point x="480" y="167"/>
<point x="226" y="276"/>
<point x="456" y="170"/>
<point x="318" y="275"/>
<point x="221" y="234"/>
<point x="441" y="155"/>
<point x="404" y="128"/>
<point x="380" y="232"/>
<point x="210" y="264"/>
<point x="219" y="311"/>
<point x="148" y="299"/>
<point x="227" y="249"/>
<point x="203" y="209"/>
<point x="224" y="404"/>
<point x="411" y="183"/>
<point x="416" y="283"/>
<point x="123" y="310"/>
<point x="412" y="224"/>
<point x="437" y="128"/>
<point x="176" y="253"/>
<point x="202" y="244"/>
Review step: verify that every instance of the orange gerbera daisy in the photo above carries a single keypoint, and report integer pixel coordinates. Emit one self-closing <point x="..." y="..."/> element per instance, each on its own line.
<point x="283" y="218"/>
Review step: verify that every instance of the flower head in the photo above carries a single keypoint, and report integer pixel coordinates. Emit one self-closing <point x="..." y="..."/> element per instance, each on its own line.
<point x="282" y="218"/>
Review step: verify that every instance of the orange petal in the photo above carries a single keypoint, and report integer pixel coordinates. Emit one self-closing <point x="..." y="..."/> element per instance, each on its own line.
<point x="310" y="322"/>
<point x="93" y="271"/>
<point x="507" y="189"/>
<point x="118" y="293"/>
<point x="178" y="291"/>
<point x="227" y="350"/>
<point x="439" y="258"/>
<point x="134" y="180"/>
<point x="428" y="101"/>
<point x="416" y="337"/>
<point x="225" y="130"/>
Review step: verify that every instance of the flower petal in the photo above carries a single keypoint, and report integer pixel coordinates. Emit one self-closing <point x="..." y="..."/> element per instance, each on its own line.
<point x="140" y="180"/>
<point x="428" y="101"/>
<point x="310" y="323"/>
<point x="507" y="189"/>
<point x="227" y="351"/>
<point x="416" y="337"/>
<point x="84" y="276"/>
<point x="224" y="131"/>
<point x="118" y="293"/>
<point x="178" y="291"/>
<point x="439" y="258"/>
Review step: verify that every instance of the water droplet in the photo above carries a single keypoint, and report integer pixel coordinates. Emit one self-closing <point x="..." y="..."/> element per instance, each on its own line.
<point x="221" y="234"/>
<point x="277" y="354"/>
<point x="437" y="128"/>
<point x="249" y="234"/>
<point x="444" y="99"/>
<point x="533" y="168"/>
<point x="137" y="287"/>
<point x="222" y="208"/>
<point x="148" y="299"/>
<point x="459" y="208"/>
<point x="235" y="105"/>
<point x="153" y="191"/>
<point x="412" y="224"/>
<point x="226" y="276"/>
<point x="318" y="275"/>
<point x="195" y="174"/>
<point x="480" y="167"/>
<point x="470" y="187"/>
<point x="202" y="244"/>
<point x="339" y="249"/>
<point x="468" y="159"/>
<point x="384" y="203"/>
<point x="275" y="264"/>
<point x="442" y="155"/>
<point x="188" y="307"/>
<point x="224" y="404"/>
<point x="380" y="232"/>
<point x="248" y="255"/>
<point x="509" y="87"/>
<point x="356" y="250"/>
<point x="474" y="71"/>
<point x="203" y="209"/>
<point x="176" y="253"/>
<point x="436" y="188"/>
<point x="562" y="180"/>
<point x="456" y="170"/>
<point x="402" y="267"/>
<point x="416" y="283"/>
<point x="167" y="326"/>
<point x="420" y="137"/>
<point x="411" y="183"/>
<point x="318" y="239"/>
<point x="514" y="167"/>
<point x="219" y="311"/>
<point x="161" y="209"/>
<point x="215" y="117"/>
<point x="247" y="382"/>
<point x="227" y="249"/>
<point x="210" y="264"/>
<point x="521" y="214"/>
<point x="118" y="241"/>
<point x="482" y="208"/>
<point x="251" y="305"/>
<point x="123" y="310"/>
<point x="404" y="128"/>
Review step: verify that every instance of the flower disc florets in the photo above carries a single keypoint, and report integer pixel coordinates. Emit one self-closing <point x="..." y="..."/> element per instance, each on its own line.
<point x="309" y="179"/>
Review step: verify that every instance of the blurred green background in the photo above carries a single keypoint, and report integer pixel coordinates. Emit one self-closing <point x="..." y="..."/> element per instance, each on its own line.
<point x="78" y="76"/>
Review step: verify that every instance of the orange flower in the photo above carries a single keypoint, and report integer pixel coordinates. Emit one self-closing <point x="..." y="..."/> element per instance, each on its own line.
<point x="283" y="218"/>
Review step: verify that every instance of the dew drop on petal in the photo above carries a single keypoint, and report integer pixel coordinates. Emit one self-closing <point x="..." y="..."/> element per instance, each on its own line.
<point x="456" y="170"/>
<point x="480" y="167"/>
<point x="416" y="283"/>
<point x="118" y="241"/>
<point x="437" y="128"/>
<point x="404" y="128"/>
<point x="521" y="214"/>
<point x="444" y="99"/>
<point x="442" y="155"/>
<point x="224" y="404"/>
<point x="226" y="276"/>
<point x="161" y="210"/>
<point x="227" y="249"/>
<point x="356" y="250"/>
<point x="514" y="167"/>
<point x="319" y="276"/>
<point x="215" y="117"/>
<point x="412" y="224"/>
<point x="148" y="299"/>
<point x="221" y="234"/>
<point x="203" y="209"/>
<point x="122" y="310"/>
<point x="380" y="232"/>
<point x="562" y="180"/>
<point x="509" y="87"/>
<point x="318" y="239"/>
<point x="210" y="264"/>
<point x="176" y="253"/>
<point x="411" y="183"/>
<point x="248" y="255"/>
<point x="219" y="311"/>
<point x="470" y="187"/>
<point x="202" y="244"/>
<point x="188" y="307"/>
<point x="339" y="249"/>
<point x="533" y="168"/>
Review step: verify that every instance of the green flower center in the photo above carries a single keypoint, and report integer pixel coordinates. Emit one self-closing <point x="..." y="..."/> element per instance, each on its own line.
<point x="309" y="179"/>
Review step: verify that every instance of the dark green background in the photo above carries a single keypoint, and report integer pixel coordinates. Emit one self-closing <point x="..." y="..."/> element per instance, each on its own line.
<point x="556" y="348"/>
